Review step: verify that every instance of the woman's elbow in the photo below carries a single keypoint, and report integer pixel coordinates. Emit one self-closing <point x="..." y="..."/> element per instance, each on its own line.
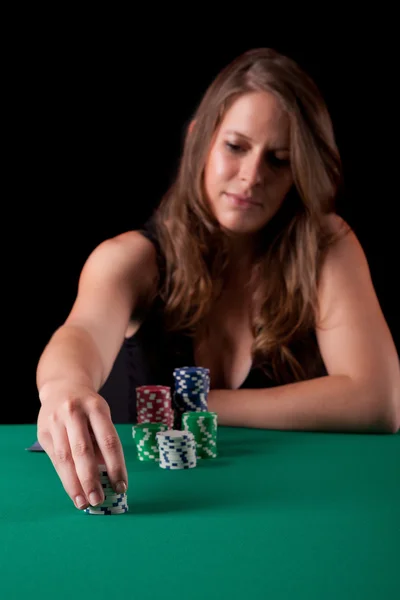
<point x="389" y="418"/>
<point x="382" y="409"/>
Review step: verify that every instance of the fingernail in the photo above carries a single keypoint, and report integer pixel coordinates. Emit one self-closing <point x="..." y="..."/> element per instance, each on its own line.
<point x="95" y="498"/>
<point x="120" y="487"/>
<point x="80" y="502"/>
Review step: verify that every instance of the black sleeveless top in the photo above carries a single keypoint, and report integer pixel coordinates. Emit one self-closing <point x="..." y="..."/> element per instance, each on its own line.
<point x="152" y="353"/>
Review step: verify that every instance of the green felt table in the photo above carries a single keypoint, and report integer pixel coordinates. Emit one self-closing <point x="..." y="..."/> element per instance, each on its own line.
<point x="276" y="515"/>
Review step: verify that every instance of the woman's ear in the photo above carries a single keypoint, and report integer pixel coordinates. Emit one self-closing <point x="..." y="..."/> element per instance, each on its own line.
<point x="191" y="125"/>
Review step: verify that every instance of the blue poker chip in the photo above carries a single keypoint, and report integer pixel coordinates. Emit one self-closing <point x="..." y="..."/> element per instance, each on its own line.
<point x="192" y="369"/>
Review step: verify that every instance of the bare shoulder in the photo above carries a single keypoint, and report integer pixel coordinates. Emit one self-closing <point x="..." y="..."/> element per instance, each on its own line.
<point x="335" y="224"/>
<point x="345" y="251"/>
<point x="127" y="244"/>
<point x="353" y="335"/>
<point x="119" y="277"/>
<point x="345" y="270"/>
<point x="127" y="253"/>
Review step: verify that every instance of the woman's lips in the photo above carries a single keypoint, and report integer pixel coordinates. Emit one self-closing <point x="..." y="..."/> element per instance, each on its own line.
<point x="242" y="201"/>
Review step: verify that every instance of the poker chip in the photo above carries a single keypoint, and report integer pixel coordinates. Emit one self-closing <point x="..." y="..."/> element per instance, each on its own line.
<point x="154" y="404"/>
<point x="113" y="504"/>
<point x="192" y="380"/>
<point x="191" y="388"/>
<point x="173" y="430"/>
<point x="144" y="435"/>
<point x="203" y="426"/>
<point x="177" y="449"/>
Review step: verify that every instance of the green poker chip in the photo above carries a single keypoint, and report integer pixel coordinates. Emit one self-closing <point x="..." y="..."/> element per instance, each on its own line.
<point x="203" y="425"/>
<point x="145" y="438"/>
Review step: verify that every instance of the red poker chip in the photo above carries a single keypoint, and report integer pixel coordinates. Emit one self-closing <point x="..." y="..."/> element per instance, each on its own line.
<point x="154" y="388"/>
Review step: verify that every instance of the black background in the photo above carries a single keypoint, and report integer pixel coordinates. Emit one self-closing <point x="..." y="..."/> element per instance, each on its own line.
<point x="97" y="120"/>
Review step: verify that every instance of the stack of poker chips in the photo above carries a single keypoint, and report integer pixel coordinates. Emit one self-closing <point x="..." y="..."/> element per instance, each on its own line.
<point x="113" y="504"/>
<point x="154" y="405"/>
<point x="203" y="426"/>
<point x="177" y="449"/>
<point x="145" y="438"/>
<point x="191" y="388"/>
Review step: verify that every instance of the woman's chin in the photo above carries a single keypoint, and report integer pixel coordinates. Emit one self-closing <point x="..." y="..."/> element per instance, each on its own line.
<point x="240" y="227"/>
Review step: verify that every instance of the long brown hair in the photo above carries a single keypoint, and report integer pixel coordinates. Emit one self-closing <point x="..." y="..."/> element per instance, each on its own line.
<point x="286" y="273"/>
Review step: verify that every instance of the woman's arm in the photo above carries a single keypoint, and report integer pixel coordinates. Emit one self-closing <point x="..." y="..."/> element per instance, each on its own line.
<point x="362" y="390"/>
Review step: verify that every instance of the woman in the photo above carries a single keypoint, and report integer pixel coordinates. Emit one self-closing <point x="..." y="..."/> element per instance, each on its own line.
<point x="245" y="269"/>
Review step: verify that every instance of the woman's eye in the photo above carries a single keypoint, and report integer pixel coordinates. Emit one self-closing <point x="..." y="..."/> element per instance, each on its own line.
<point x="277" y="162"/>
<point x="233" y="147"/>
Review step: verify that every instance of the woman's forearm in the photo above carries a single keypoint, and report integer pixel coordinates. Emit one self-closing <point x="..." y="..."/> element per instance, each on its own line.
<point x="330" y="403"/>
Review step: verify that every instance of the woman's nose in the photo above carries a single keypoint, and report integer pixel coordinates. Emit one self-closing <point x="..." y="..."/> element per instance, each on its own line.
<point x="252" y="170"/>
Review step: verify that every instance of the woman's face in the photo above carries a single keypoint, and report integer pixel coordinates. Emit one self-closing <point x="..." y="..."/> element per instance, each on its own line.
<point x="248" y="173"/>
